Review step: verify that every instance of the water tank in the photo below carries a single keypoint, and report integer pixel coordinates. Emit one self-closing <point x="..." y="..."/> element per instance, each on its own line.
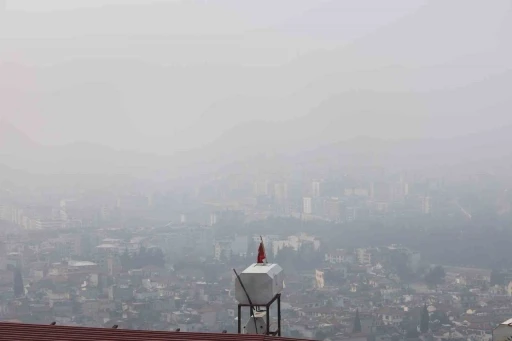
<point x="256" y="324"/>
<point x="262" y="282"/>
<point x="503" y="332"/>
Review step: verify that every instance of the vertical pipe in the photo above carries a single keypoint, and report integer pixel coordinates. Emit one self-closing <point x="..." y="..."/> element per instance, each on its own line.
<point x="268" y="319"/>
<point x="239" y="319"/>
<point x="279" y="314"/>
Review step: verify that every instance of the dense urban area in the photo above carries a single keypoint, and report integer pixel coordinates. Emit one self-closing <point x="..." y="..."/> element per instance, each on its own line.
<point x="380" y="257"/>
<point x="163" y="161"/>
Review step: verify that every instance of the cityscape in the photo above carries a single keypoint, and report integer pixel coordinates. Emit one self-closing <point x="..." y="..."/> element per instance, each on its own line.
<point x="253" y="170"/>
<point x="163" y="261"/>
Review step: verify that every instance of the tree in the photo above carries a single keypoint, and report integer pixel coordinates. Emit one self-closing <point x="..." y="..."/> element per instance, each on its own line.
<point x="357" y="323"/>
<point x="100" y="284"/>
<point x="412" y="334"/>
<point x="435" y="276"/>
<point x="425" y="319"/>
<point x="320" y="335"/>
<point x="497" y="278"/>
<point x="19" y="289"/>
<point x="287" y="257"/>
<point x="157" y="257"/>
<point x="153" y="256"/>
<point x="125" y="260"/>
<point x="398" y="262"/>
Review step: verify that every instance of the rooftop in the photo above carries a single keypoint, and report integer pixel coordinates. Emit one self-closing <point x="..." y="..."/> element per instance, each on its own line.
<point x="80" y="263"/>
<point x="106" y="246"/>
<point x="26" y="332"/>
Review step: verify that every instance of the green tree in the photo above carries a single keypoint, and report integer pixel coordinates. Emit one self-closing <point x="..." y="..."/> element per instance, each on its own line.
<point x="357" y="323"/>
<point x="425" y="319"/>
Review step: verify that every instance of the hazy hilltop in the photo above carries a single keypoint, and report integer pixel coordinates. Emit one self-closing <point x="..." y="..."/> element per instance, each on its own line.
<point x="215" y="82"/>
<point x="19" y="152"/>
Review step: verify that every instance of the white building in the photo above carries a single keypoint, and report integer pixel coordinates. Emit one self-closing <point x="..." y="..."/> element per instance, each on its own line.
<point x="261" y="188"/>
<point x="391" y="316"/>
<point x="339" y="256"/>
<point x="46" y="224"/>
<point x="319" y="279"/>
<point x="315" y="189"/>
<point x="307" y="205"/>
<point x="281" y="193"/>
<point x="351" y="214"/>
<point x="425" y="205"/>
<point x="364" y="256"/>
<point x="358" y="192"/>
<point x="295" y="242"/>
<point x="213" y="219"/>
<point x="223" y="249"/>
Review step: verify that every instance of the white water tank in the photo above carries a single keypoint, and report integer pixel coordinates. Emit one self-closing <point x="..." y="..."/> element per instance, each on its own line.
<point x="256" y="324"/>
<point x="503" y="332"/>
<point x="262" y="283"/>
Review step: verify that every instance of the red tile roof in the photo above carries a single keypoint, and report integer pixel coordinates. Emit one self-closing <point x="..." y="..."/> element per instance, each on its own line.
<point x="33" y="332"/>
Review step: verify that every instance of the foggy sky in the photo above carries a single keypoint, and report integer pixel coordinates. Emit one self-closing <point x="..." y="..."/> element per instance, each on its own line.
<point x="176" y="75"/>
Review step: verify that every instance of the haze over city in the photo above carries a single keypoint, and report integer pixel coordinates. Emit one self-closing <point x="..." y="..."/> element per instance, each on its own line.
<point x="361" y="151"/>
<point x="163" y="82"/>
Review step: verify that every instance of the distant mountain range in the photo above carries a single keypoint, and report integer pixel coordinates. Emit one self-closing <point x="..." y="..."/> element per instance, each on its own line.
<point x="391" y="98"/>
<point x="475" y="152"/>
<point x="168" y="84"/>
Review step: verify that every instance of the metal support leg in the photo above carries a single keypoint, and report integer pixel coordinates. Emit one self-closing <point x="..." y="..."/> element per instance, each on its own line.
<point x="279" y="314"/>
<point x="239" y="319"/>
<point x="268" y="319"/>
